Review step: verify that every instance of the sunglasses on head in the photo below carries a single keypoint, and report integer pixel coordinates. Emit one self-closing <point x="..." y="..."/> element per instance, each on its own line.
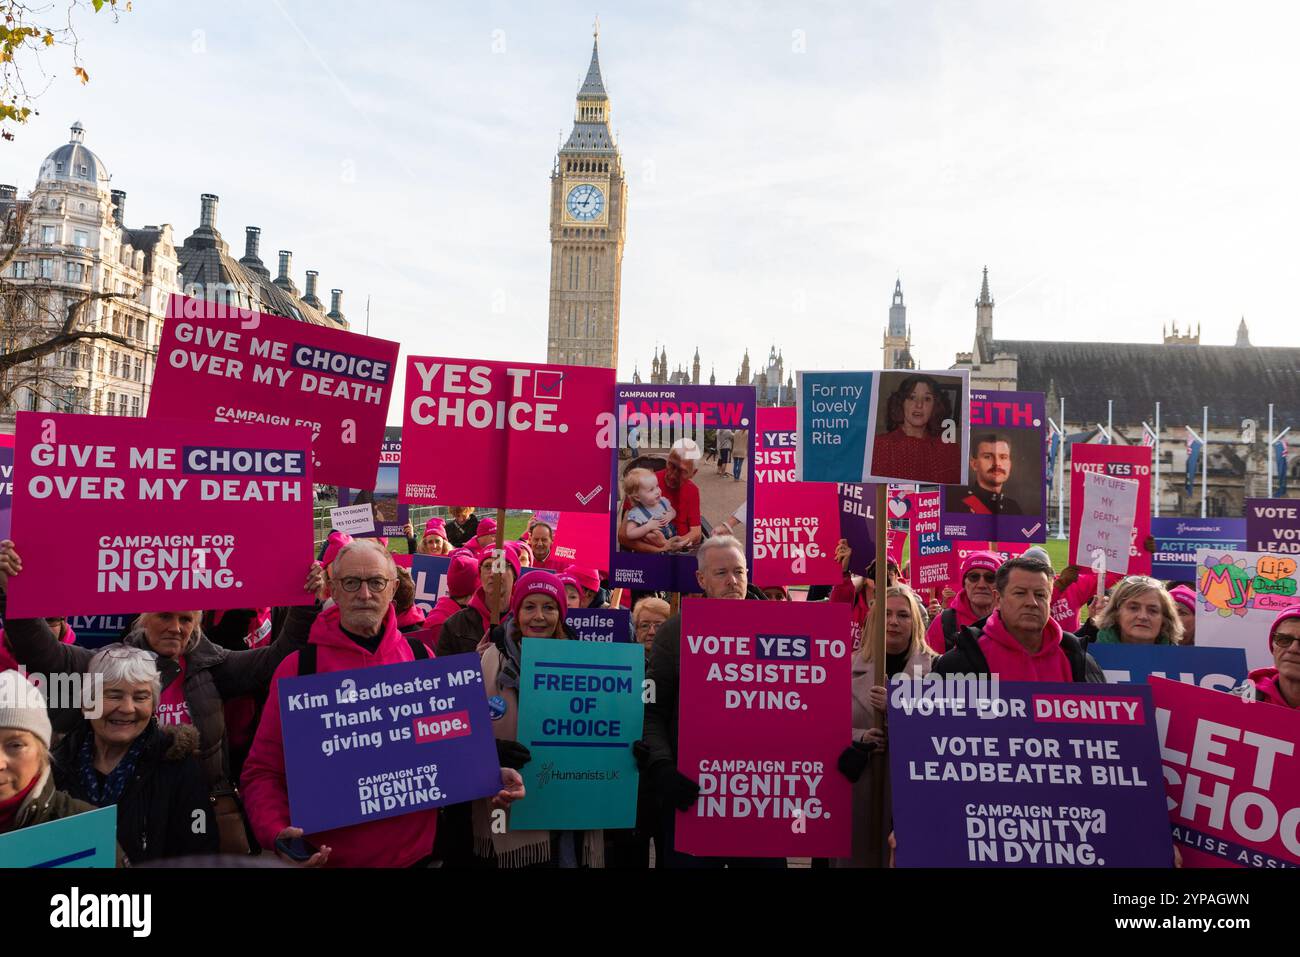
<point x="988" y="577"/>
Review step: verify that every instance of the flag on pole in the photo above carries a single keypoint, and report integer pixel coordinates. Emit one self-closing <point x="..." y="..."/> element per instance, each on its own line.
<point x="1148" y="436"/>
<point x="1103" y="435"/>
<point x="1194" y="451"/>
<point x="1053" y="448"/>
<point x="1279" y="466"/>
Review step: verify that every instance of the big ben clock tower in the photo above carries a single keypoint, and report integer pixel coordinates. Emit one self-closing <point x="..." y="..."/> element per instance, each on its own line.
<point x="588" y="227"/>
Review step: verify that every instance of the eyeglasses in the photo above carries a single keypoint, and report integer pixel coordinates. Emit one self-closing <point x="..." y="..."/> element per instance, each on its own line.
<point x="987" y="577"/>
<point x="648" y="625"/>
<point x="1284" y="642"/>
<point x="372" y="584"/>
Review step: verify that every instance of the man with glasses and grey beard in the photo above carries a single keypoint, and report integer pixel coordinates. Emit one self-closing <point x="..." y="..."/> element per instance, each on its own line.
<point x="357" y="629"/>
<point x="677" y="483"/>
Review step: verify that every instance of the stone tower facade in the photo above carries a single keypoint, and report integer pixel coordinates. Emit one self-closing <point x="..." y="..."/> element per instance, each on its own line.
<point x="588" y="229"/>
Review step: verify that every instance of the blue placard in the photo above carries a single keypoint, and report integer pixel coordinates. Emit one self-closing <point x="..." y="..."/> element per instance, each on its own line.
<point x="833" y="419"/>
<point x="580" y="709"/>
<point x="6" y="488"/>
<point x="1220" y="669"/>
<point x="600" y="624"/>
<point x="1000" y="774"/>
<point x="373" y="743"/>
<point x="1177" y="540"/>
<point x="88" y="839"/>
<point x="429" y="573"/>
<point x="95" y="631"/>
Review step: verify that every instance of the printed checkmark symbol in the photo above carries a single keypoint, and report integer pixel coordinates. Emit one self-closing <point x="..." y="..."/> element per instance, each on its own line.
<point x="1027" y="532"/>
<point x="584" y="499"/>
<point x="554" y="386"/>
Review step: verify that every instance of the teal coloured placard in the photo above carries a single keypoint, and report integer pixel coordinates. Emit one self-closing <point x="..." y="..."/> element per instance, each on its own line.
<point x="83" y="840"/>
<point x="580" y="709"/>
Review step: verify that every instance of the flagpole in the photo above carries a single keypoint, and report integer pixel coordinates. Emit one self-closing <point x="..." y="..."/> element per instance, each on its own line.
<point x="1270" y="450"/>
<point x="1110" y="409"/>
<point x="1156" y="446"/>
<point x="1060" y="480"/>
<point x="1205" y="455"/>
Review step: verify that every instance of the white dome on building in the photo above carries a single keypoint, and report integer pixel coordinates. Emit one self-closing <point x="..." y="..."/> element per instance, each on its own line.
<point x="74" y="163"/>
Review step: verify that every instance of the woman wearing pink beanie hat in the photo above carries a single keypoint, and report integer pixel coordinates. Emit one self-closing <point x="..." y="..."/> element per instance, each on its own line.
<point x="463" y="631"/>
<point x="588" y="580"/>
<point x="486" y="534"/>
<point x="973" y="602"/>
<point x="1185" y="604"/>
<point x="433" y="540"/>
<point x="1280" y="684"/>
<point x="536" y="614"/>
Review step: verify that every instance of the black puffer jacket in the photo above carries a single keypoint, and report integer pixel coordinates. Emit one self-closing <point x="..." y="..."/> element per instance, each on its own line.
<point x="164" y="810"/>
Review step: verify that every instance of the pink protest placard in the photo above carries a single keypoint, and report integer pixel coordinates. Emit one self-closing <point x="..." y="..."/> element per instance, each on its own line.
<point x="765" y="709"/>
<point x="931" y="555"/>
<point x="223" y="364"/>
<point x="796" y="524"/>
<point x="154" y="515"/>
<point x="582" y="538"/>
<point x="516" y="434"/>
<point x="1232" y="775"/>
<point x="1118" y="461"/>
<point x="895" y="542"/>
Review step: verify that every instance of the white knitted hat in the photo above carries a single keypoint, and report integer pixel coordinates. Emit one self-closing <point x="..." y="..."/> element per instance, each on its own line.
<point x="22" y="706"/>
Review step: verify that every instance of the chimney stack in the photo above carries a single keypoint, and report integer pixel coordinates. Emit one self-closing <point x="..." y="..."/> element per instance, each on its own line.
<point x="309" y="297"/>
<point x="119" y="206"/>
<point x="208" y="214"/>
<point x="286" y="263"/>
<point x="252" y="239"/>
<point x="336" y="305"/>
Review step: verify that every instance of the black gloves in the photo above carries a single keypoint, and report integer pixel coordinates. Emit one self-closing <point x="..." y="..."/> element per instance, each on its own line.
<point x="512" y="754"/>
<point x="673" y="788"/>
<point x="854" y="759"/>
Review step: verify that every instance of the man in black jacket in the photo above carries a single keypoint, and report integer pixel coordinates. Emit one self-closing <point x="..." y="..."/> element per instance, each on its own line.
<point x="721" y="573"/>
<point x="1023" y="589"/>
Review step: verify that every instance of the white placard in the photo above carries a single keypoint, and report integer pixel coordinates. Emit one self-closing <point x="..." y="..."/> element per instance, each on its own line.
<point x="1109" y="508"/>
<point x="353" y="519"/>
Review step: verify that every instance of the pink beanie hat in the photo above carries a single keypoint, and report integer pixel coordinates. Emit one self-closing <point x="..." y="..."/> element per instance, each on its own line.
<point x="987" y="560"/>
<point x="588" y="579"/>
<point x="1184" y="596"/>
<point x="333" y="545"/>
<point x="462" y="573"/>
<point x="1287" y="613"/>
<point x="488" y="554"/>
<point x="487" y="526"/>
<point x="435" y="526"/>
<point x="538" y="583"/>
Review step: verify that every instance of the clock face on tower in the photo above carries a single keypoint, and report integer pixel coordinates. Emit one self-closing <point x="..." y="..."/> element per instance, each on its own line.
<point x="585" y="202"/>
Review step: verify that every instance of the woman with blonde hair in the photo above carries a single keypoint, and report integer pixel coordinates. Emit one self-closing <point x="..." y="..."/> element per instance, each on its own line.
<point x="1139" y="612"/>
<point x="906" y="652"/>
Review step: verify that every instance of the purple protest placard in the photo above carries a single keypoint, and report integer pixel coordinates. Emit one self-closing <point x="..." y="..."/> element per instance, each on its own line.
<point x="1273" y="525"/>
<point x="858" y="524"/>
<point x="1004" y="498"/>
<point x="666" y="503"/>
<point x="996" y="774"/>
<point x="372" y="743"/>
<point x="6" y="483"/>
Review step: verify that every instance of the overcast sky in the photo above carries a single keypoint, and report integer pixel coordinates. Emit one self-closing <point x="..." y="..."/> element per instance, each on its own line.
<point x="1116" y="165"/>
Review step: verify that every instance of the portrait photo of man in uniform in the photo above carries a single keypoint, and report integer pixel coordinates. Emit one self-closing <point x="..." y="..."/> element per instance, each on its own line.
<point x="990" y="476"/>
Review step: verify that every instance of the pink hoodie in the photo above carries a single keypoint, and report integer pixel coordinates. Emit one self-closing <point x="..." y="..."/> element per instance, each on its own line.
<point x="965" y="618"/>
<point x="1266" y="689"/>
<point x="1069" y="601"/>
<point x="391" y="842"/>
<point x="1008" y="659"/>
<point x="433" y="621"/>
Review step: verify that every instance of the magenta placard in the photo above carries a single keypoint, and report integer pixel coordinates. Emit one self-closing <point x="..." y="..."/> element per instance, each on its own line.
<point x="116" y="515"/>
<point x="765" y="710"/>
<point x="581" y="538"/>
<point x="1131" y="462"/>
<point x="1232" y="776"/>
<point x="796" y="524"/>
<point x="221" y="364"/>
<point x="512" y="434"/>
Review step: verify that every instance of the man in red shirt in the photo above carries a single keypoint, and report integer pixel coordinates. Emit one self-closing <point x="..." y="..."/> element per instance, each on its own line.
<point x="676" y="482"/>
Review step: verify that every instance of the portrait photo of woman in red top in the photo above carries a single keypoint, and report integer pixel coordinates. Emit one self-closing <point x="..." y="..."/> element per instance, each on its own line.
<point x="911" y="421"/>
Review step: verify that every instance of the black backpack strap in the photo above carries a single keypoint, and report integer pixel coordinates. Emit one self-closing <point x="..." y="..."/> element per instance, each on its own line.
<point x="948" y="621"/>
<point x="307" y="660"/>
<point x="418" y="648"/>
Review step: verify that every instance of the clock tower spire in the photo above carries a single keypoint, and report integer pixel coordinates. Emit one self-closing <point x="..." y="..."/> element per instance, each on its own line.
<point x="588" y="209"/>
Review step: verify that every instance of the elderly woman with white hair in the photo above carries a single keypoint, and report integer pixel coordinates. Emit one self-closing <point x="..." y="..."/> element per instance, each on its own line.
<point x="28" y="794"/>
<point x="196" y="677"/>
<point x="121" y="756"/>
